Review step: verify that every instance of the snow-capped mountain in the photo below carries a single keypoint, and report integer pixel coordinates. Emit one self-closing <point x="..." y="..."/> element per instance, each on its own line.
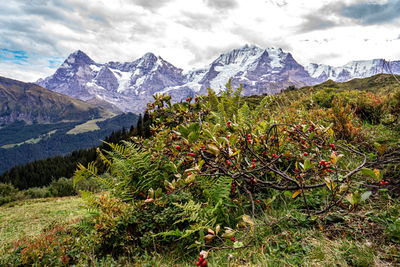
<point x="130" y="85"/>
<point x="259" y="70"/>
<point x="353" y="69"/>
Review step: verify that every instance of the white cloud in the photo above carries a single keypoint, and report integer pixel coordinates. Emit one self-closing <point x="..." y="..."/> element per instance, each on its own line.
<point x="186" y="33"/>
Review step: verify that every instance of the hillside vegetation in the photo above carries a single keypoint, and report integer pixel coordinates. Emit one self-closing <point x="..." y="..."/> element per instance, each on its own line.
<point x="308" y="177"/>
<point x="32" y="103"/>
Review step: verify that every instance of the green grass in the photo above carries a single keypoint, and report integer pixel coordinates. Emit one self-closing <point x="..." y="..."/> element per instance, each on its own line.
<point x="88" y="126"/>
<point x="30" y="217"/>
<point x="359" y="240"/>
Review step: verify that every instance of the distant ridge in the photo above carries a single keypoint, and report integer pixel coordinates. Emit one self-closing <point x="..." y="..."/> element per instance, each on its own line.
<point x="29" y="102"/>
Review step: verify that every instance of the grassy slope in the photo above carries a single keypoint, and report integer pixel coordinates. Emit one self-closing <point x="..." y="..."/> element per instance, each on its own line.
<point x="30" y="217"/>
<point x="357" y="240"/>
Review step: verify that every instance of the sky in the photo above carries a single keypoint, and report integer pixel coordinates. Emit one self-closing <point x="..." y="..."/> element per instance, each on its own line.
<point x="36" y="36"/>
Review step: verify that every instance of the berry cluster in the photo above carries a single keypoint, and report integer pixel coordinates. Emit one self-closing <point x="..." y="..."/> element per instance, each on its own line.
<point x="202" y="261"/>
<point x="383" y="183"/>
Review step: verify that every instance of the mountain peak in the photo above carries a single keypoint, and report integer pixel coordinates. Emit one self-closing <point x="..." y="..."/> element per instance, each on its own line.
<point x="250" y="47"/>
<point x="148" y="61"/>
<point x="78" y="57"/>
<point x="149" y="56"/>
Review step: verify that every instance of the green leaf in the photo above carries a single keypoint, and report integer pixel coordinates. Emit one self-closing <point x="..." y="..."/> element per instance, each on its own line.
<point x="307" y="164"/>
<point x="368" y="172"/>
<point x="158" y="192"/>
<point x="238" y="244"/>
<point x="365" y="196"/>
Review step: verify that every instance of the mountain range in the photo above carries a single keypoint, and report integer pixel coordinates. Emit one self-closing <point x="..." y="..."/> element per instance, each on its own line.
<point x="129" y="86"/>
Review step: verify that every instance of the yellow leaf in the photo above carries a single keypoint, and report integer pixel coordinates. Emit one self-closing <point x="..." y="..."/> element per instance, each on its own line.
<point x="248" y="220"/>
<point x="213" y="149"/>
<point x="190" y="178"/>
<point x="209" y="237"/>
<point x="382" y="149"/>
<point x="376" y="171"/>
<point x="330" y="183"/>
<point x="333" y="158"/>
<point x="295" y="194"/>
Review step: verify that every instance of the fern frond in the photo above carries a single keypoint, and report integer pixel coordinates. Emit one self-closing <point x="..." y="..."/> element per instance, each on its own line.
<point x="245" y="115"/>
<point x="220" y="190"/>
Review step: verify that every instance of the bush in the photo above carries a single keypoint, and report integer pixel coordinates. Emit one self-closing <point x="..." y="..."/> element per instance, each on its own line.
<point x="8" y="193"/>
<point x="37" y="192"/>
<point x="53" y="247"/>
<point x="62" y="187"/>
<point x="87" y="185"/>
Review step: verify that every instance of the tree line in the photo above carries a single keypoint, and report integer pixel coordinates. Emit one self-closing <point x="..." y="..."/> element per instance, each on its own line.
<point x="42" y="172"/>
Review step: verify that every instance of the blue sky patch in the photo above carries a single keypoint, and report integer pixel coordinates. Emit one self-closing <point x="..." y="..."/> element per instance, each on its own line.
<point x="55" y="62"/>
<point x="369" y="13"/>
<point x="15" y="56"/>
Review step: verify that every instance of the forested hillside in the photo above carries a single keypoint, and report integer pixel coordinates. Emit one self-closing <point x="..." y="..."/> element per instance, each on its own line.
<point x="39" y="173"/>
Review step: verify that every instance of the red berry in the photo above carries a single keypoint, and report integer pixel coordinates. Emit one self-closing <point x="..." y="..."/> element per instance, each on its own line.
<point x="188" y="99"/>
<point x="386" y="183"/>
<point x="228" y="162"/>
<point x="233" y="239"/>
<point x="198" y="263"/>
<point x="305" y="154"/>
<point x="178" y="147"/>
<point x="254" y="165"/>
<point x="228" y="136"/>
<point x="249" y="135"/>
<point x="258" y="201"/>
<point x="254" y="160"/>
<point x="204" y="263"/>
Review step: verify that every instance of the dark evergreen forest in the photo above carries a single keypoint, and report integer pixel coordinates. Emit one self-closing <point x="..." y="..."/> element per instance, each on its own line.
<point x="41" y="172"/>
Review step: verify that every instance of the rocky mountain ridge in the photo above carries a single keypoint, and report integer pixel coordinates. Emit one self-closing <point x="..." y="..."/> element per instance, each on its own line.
<point x="129" y="86"/>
